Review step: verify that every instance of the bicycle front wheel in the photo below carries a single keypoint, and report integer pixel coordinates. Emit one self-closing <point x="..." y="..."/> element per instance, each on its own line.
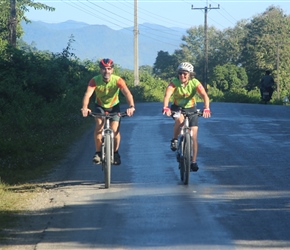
<point x="107" y="165"/>
<point x="181" y="161"/>
<point x="186" y="157"/>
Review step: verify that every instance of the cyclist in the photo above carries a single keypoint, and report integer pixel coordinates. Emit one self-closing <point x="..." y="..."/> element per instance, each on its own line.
<point x="183" y="89"/>
<point x="106" y="86"/>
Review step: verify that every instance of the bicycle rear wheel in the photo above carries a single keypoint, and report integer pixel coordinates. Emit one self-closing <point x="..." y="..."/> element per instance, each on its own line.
<point x="107" y="165"/>
<point x="186" y="157"/>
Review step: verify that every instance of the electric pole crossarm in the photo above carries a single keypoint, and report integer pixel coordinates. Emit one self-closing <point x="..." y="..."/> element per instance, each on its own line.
<point x="208" y="8"/>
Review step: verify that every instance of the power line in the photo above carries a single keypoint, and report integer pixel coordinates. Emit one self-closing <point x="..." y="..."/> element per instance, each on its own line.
<point x="80" y="6"/>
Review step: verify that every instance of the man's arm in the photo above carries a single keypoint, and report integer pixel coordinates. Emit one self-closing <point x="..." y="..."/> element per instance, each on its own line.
<point x="86" y="100"/>
<point x="130" y="100"/>
<point x="129" y="97"/>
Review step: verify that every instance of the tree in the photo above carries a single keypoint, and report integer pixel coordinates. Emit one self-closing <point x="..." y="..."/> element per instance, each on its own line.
<point x="193" y="49"/>
<point x="239" y="56"/>
<point x="266" y="46"/>
<point x="229" y="77"/>
<point x="226" y="45"/>
<point x="10" y="23"/>
<point x="165" y="65"/>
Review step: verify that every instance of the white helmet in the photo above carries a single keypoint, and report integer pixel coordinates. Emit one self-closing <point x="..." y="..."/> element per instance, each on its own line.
<point x="185" y="66"/>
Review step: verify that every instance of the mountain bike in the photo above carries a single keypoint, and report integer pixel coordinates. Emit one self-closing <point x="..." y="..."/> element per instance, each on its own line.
<point x="184" y="149"/>
<point x="107" y="148"/>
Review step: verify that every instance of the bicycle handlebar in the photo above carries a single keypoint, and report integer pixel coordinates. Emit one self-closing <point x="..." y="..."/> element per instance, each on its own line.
<point x="108" y="115"/>
<point x="187" y="113"/>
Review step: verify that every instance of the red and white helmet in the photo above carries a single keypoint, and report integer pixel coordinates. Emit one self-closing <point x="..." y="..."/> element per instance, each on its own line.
<point x="106" y="62"/>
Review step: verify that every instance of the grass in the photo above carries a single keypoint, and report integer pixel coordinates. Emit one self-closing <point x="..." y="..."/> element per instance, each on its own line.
<point x="12" y="203"/>
<point x="20" y="184"/>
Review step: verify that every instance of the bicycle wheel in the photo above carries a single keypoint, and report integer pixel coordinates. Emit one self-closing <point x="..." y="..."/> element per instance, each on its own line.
<point x="186" y="157"/>
<point x="181" y="159"/>
<point x="107" y="165"/>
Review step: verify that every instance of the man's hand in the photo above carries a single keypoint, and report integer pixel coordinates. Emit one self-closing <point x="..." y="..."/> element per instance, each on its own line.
<point x="85" y="112"/>
<point x="130" y="111"/>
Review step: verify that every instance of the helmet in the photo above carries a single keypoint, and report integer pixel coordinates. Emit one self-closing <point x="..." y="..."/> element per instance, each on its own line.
<point x="106" y="62"/>
<point x="185" y="66"/>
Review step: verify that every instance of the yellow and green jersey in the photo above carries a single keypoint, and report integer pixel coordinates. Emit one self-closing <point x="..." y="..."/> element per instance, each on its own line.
<point x="107" y="93"/>
<point x="184" y="96"/>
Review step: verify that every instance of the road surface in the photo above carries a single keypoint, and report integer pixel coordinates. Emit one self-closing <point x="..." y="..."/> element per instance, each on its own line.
<point x="239" y="198"/>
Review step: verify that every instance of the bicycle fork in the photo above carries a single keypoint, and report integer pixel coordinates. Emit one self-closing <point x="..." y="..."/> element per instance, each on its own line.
<point x="105" y="131"/>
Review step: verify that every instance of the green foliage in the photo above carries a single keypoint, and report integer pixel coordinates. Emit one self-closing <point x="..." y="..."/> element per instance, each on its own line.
<point x="266" y="46"/>
<point x="153" y="88"/>
<point x="239" y="56"/>
<point x="40" y="98"/>
<point x="41" y="93"/>
<point x="165" y="65"/>
<point x="215" y="94"/>
<point x="228" y="77"/>
<point x="236" y="95"/>
<point x="21" y="7"/>
<point x="150" y="88"/>
<point x="39" y="110"/>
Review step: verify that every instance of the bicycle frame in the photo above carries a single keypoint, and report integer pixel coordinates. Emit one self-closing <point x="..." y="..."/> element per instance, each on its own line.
<point x="107" y="131"/>
<point x="184" y="128"/>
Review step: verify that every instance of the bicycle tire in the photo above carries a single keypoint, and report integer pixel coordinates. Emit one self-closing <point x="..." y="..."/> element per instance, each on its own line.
<point x="187" y="157"/>
<point x="181" y="164"/>
<point x="107" y="165"/>
<point x="181" y="169"/>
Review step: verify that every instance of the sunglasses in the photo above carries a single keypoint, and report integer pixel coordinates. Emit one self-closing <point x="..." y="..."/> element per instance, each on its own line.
<point x="107" y="68"/>
<point x="182" y="73"/>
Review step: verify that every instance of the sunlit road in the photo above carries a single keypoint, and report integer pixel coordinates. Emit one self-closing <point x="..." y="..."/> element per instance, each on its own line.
<point x="239" y="199"/>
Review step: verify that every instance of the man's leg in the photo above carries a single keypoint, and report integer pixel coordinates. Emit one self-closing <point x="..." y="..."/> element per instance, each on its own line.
<point x="98" y="133"/>
<point x="271" y="90"/>
<point x="117" y="135"/>
<point x="98" y="140"/>
<point x="115" y="125"/>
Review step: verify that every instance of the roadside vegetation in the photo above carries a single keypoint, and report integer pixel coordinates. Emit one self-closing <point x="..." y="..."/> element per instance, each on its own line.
<point x="41" y="92"/>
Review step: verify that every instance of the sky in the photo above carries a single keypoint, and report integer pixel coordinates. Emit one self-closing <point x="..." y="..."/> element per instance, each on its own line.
<point x="118" y="14"/>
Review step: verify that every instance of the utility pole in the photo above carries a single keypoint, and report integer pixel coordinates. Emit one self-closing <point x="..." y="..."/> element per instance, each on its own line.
<point x="278" y="70"/>
<point x="12" y="23"/>
<point x="136" y="32"/>
<point x="205" y="70"/>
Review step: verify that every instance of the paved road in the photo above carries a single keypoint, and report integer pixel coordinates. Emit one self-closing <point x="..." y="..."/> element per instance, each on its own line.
<point x="239" y="199"/>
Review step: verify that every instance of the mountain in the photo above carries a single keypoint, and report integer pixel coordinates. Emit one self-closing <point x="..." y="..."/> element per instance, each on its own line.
<point x="99" y="41"/>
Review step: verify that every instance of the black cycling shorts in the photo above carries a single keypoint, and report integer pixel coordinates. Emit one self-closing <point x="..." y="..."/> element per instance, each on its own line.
<point x="114" y="109"/>
<point x="193" y="119"/>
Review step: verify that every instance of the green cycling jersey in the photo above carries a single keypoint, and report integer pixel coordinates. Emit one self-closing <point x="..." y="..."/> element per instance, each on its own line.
<point x="107" y="93"/>
<point x="184" y="96"/>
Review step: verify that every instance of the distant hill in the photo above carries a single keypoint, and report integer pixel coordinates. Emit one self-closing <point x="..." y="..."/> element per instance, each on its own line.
<point x="97" y="41"/>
